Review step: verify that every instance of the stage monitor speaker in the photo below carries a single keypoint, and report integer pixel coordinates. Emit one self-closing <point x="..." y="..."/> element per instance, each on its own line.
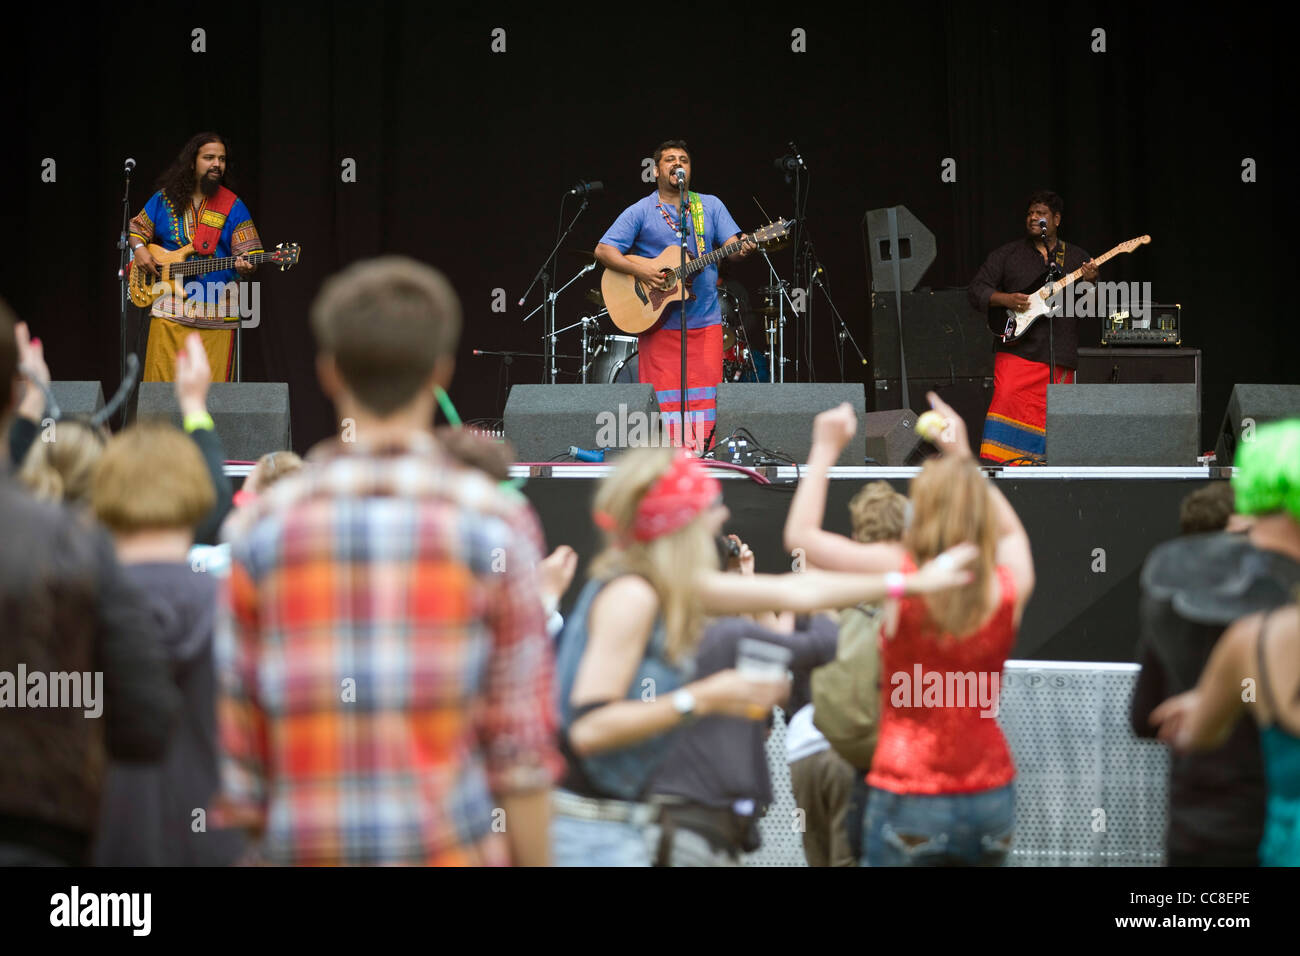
<point x="942" y="335"/>
<point x="251" y="418"/>
<point x="780" y="415"/>
<point x="915" y="254"/>
<point x="969" y="397"/>
<point x="1122" y="425"/>
<point x="1252" y="405"/>
<point x="80" y="399"/>
<point x="892" y="438"/>
<point x="542" y="421"/>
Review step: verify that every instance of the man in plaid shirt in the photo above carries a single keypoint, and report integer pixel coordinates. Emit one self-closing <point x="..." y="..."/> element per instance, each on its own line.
<point x="385" y="673"/>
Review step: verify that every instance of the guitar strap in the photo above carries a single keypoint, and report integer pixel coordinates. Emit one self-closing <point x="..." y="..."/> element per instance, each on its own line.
<point x="697" y="219"/>
<point x="207" y="229"/>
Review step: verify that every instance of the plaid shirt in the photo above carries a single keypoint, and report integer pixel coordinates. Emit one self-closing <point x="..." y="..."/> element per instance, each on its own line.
<point x="385" y="675"/>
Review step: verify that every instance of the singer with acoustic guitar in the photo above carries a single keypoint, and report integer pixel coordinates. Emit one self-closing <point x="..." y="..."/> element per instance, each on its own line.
<point x="1015" y="429"/>
<point x="192" y="207"/>
<point x="645" y="230"/>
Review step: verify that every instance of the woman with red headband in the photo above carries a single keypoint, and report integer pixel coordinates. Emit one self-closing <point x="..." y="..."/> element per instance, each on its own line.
<point x="624" y="666"/>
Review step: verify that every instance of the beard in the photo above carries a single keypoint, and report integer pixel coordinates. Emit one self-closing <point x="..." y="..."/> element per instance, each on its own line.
<point x="208" y="185"/>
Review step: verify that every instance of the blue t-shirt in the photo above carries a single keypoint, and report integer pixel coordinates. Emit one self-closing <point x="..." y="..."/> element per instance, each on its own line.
<point x="641" y="230"/>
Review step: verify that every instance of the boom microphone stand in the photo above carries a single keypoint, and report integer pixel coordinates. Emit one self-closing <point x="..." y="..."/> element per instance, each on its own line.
<point x="549" y="296"/>
<point x="1053" y="273"/>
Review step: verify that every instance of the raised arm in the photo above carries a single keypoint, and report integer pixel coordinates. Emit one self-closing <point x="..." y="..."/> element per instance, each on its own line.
<point x="1013" y="541"/>
<point x="832" y="430"/>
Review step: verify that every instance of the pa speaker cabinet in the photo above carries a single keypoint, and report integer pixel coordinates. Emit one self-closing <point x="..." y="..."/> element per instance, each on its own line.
<point x="1122" y="425"/>
<point x="969" y="397"/>
<point x="892" y="438"/>
<point x="943" y="337"/>
<point x="251" y="418"/>
<point x="1252" y="405"/>
<point x="78" y="398"/>
<point x="542" y="421"/>
<point x="780" y="415"/>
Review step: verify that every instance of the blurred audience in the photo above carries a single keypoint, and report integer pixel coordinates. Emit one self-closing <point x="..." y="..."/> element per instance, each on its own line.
<point x="942" y="778"/>
<point x="151" y="489"/>
<point x="627" y="654"/>
<point x="1192" y="589"/>
<point x="67" y="611"/>
<point x="383" y="623"/>
<point x="1257" y="663"/>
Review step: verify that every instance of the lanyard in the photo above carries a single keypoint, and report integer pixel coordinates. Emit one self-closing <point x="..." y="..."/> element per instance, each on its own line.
<point x="697" y="219"/>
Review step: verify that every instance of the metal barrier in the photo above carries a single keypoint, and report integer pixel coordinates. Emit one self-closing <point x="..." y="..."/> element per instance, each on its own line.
<point x="1088" y="792"/>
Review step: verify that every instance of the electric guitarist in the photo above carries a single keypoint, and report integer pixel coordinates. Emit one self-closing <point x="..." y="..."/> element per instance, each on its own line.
<point x="192" y="205"/>
<point x="1015" y="429"/>
<point x="646" y="228"/>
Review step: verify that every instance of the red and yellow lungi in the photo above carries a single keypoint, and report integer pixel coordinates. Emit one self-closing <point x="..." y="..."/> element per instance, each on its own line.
<point x="1016" y="425"/>
<point x="659" y="360"/>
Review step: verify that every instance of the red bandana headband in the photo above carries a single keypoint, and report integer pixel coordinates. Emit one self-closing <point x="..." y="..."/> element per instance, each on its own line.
<point x="680" y="494"/>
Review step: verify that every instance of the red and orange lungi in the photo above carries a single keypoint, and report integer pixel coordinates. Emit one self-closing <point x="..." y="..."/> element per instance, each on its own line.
<point x="659" y="360"/>
<point x="1016" y="425"/>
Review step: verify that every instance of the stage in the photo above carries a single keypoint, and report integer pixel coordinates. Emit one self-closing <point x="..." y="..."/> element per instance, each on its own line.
<point x="1091" y="529"/>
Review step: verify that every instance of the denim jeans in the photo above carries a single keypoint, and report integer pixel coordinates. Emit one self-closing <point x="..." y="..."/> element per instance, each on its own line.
<point x="961" y="829"/>
<point x="576" y="842"/>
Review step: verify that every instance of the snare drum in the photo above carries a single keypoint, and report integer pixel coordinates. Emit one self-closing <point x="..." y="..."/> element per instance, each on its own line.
<point x="613" y="359"/>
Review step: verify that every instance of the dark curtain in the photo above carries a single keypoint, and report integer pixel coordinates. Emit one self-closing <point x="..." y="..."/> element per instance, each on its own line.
<point x="462" y="154"/>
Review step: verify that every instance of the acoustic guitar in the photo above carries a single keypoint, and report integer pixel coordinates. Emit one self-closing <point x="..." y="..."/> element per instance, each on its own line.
<point x="634" y="306"/>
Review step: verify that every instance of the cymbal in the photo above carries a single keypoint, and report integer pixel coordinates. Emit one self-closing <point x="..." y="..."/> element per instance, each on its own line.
<point x="728" y="338"/>
<point x="768" y="309"/>
<point x="595" y="298"/>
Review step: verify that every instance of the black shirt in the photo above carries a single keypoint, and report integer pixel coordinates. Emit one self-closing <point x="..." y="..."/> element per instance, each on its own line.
<point x="1016" y="267"/>
<point x="717" y="761"/>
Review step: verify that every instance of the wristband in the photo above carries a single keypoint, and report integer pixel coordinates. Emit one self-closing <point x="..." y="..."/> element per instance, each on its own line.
<point x="199" y="421"/>
<point x="895" y="584"/>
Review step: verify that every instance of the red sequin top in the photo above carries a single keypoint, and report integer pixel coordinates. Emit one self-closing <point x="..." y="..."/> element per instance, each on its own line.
<point x="938" y="712"/>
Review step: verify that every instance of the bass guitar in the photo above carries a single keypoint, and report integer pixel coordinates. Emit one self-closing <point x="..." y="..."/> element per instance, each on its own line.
<point x="175" y="266"/>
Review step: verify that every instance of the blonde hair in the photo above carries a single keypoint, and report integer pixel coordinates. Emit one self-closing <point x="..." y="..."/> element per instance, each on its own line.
<point x="953" y="505"/>
<point x="273" y="466"/>
<point x="62" y="469"/>
<point x="672" y="563"/>
<point x="151" y="477"/>
<point x="878" y="512"/>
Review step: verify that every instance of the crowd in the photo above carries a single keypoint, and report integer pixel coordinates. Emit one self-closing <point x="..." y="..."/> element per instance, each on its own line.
<point x="359" y="657"/>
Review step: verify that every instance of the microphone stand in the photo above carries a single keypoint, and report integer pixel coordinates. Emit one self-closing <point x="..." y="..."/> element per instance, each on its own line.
<point x="681" y="229"/>
<point x="123" y="276"/>
<point x="1052" y="276"/>
<point x="549" y="296"/>
<point x="844" y="332"/>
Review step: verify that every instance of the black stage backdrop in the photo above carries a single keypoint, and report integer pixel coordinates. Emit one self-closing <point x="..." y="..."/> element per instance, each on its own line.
<point x="462" y="154"/>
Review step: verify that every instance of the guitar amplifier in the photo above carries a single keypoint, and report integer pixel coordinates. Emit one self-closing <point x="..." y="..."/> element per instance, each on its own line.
<point x="1162" y="327"/>
<point x="1134" y="366"/>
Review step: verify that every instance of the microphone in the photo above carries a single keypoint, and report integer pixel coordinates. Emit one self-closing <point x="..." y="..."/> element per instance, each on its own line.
<point x="786" y="163"/>
<point x="795" y="150"/>
<point x="130" y="165"/>
<point x="1042" y="224"/>
<point x="679" y="174"/>
<point x="585" y="188"/>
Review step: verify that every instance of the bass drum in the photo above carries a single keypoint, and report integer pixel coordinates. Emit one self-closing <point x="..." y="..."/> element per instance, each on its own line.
<point x="614" y="360"/>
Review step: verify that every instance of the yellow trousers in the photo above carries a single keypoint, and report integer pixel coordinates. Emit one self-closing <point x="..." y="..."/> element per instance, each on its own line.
<point x="167" y="338"/>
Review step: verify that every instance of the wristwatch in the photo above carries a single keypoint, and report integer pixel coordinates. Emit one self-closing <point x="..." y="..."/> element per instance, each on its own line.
<point x="684" y="704"/>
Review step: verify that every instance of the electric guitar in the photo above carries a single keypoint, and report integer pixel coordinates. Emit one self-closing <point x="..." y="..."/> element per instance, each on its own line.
<point x="1009" y="325"/>
<point x="634" y="306"/>
<point x="174" y="266"/>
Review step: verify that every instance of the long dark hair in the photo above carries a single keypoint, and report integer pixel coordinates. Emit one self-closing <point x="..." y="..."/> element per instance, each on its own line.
<point x="178" y="181"/>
